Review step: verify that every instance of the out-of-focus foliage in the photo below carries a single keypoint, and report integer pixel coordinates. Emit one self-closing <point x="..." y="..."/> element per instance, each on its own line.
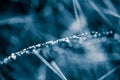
<point x="24" y="23"/>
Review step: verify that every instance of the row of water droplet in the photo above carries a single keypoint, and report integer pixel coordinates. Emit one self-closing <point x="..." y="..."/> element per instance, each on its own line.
<point x="81" y="37"/>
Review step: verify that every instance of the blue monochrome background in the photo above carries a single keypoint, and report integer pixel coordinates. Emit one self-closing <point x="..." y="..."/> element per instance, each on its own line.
<point x="59" y="39"/>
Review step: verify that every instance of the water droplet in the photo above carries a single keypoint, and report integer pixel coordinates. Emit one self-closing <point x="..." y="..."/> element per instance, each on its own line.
<point x="99" y="34"/>
<point x="13" y="56"/>
<point x="5" y="60"/>
<point x="93" y="32"/>
<point x="18" y="53"/>
<point x="111" y="32"/>
<point x="27" y="52"/>
<point x="38" y="45"/>
<point x="21" y="53"/>
<point x="83" y="34"/>
<point x="95" y="35"/>
<point x="67" y="39"/>
<point x="107" y="32"/>
<point x="24" y="49"/>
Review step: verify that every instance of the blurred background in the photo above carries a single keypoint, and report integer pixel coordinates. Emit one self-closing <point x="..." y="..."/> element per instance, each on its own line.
<point x="24" y="23"/>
